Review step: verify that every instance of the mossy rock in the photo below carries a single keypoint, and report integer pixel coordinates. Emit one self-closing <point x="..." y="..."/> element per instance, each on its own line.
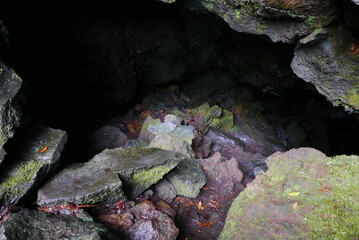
<point x="102" y="178"/>
<point x="303" y="195"/>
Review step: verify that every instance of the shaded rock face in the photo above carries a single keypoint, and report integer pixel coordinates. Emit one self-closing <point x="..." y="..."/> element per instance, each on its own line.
<point x="30" y="224"/>
<point x="285" y="202"/>
<point x="11" y="98"/>
<point x="327" y="58"/>
<point x="280" y="20"/>
<point x="37" y="157"/>
<point x="102" y="178"/>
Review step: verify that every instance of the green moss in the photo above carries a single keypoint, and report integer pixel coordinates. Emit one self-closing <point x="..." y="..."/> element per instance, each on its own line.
<point x="143" y="179"/>
<point x="22" y="175"/>
<point x="261" y="27"/>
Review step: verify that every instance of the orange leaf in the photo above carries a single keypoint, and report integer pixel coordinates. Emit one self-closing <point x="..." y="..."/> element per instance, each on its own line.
<point x="200" y="206"/>
<point x="325" y="189"/>
<point x="44" y="149"/>
<point x="295" y="205"/>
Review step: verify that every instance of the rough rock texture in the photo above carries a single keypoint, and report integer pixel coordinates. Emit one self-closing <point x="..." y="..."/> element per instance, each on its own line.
<point x="279" y="20"/>
<point x="165" y="190"/>
<point x="30" y="224"/>
<point x="329" y="59"/>
<point x="101" y="178"/>
<point x="10" y="102"/>
<point x="145" y="133"/>
<point x="188" y="178"/>
<point x="106" y="137"/>
<point x="2" y="233"/>
<point x="141" y="222"/>
<point x="37" y="157"/>
<point x="355" y="1"/>
<point x="173" y="137"/>
<point x="303" y="195"/>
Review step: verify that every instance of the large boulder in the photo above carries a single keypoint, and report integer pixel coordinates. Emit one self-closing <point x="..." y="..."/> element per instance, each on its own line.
<point x="36" y="158"/>
<point x="280" y="20"/>
<point x="329" y="59"/>
<point x="11" y="98"/>
<point x="30" y="224"/>
<point x="303" y="195"/>
<point x="101" y="179"/>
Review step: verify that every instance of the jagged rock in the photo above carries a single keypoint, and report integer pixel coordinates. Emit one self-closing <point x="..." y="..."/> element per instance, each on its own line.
<point x="165" y="190"/>
<point x="145" y="134"/>
<point x="37" y="157"/>
<point x="173" y="119"/>
<point x="141" y="222"/>
<point x="173" y="137"/>
<point x="106" y="137"/>
<point x="327" y="58"/>
<point x="11" y="99"/>
<point x="188" y="178"/>
<point x="356" y="2"/>
<point x="30" y="224"/>
<point x="223" y="142"/>
<point x="279" y="20"/>
<point x="303" y="195"/>
<point x="101" y="178"/>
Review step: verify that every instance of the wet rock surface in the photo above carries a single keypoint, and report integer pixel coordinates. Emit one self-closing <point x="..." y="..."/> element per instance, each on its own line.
<point x="30" y="224"/>
<point x="11" y="100"/>
<point x="102" y="178"/>
<point x="285" y="202"/>
<point x="37" y="157"/>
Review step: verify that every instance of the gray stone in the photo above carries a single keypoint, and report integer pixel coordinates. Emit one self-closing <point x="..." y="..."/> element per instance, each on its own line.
<point x="188" y="178"/>
<point x="356" y="2"/>
<point x="145" y="134"/>
<point x="106" y="137"/>
<point x="11" y="99"/>
<point x="329" y="62"/>
<point x="173" y="119"/>
<point x="99" y="180"/>
<point x="165" y="190"/>
<point x="37" y="157"/>
<point x="30" y="224"/>
<point x="2" y="233"/>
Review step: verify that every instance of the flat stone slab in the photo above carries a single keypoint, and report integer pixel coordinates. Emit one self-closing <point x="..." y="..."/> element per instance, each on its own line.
<point x="303" y="195"/>
<point x="30" y="224"/>
<point x="102" y="178"/>
<point x="37" y="157"/>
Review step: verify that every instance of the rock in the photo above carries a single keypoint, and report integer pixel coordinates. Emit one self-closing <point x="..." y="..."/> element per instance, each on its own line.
<point x="11" y="99"/>
<point x="173" y="137"/>
<point x="167" y="1"/>
<point x="165" y="190"/>
<point x="279" y="20"/>
<point x="223" y="142"/>
<point x="2" y="233"/>
<point x="106" y="137"/>
<point x="331" y="64"/>
<point x="142" y="222"/>
<point x="101" y="179"/>
<point x="188" y="178"/>
<point x="296" y="135"/>
<point x="173" y="119"/>
<point x="303" y="195"/>
<point x="356" y="2"/>
<point x="30" y="224"/>
<point x="37" y="157"/>
<point x="145" y="134"/>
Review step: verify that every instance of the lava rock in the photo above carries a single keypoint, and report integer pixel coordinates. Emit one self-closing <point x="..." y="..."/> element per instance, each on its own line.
<point x="223" y="142"/>
<point x="101" y="178"/>
<point x="145" y="134"/>
<point x="38" y="156"/>
<point x="299" y="197"/>
<point x="30" y="224"/>
<point x="165" y="190"/>
<point x="106" y="137"/>
<point x="188" y="178"/>
<point x="11" y="100"/>
<point x="280" y="21"/>
<point x="173" y="137"/>
<point x="356" y="2"/>
<point x="331" y="64"/>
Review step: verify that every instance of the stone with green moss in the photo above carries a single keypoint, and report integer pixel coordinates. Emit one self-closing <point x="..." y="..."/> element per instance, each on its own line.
<point x="37" y="157"/>
<point x="11" y="100"/>
<point x="303" y="195"/>
<point x="33" y="225"/>
<point x="188" y="178"/>
<point x="145" y="134"/>
<point x="108" y="175"/>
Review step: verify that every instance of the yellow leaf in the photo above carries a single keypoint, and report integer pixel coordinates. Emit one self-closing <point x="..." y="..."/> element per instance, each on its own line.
<point x="294" y="194"/>
<point x="295" y="205"/>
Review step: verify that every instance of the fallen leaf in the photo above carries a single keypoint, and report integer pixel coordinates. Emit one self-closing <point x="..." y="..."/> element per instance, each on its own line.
<point x="207" y="225"/>
<point x="294" y="193"/>
<point x="294" y="206"/>
<point x="325" y="189"/>
<point x="44" y="149"/>
<point x="205" y="188"/>
<point x="200" y="206"/>
<point x="181" y="199"/>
